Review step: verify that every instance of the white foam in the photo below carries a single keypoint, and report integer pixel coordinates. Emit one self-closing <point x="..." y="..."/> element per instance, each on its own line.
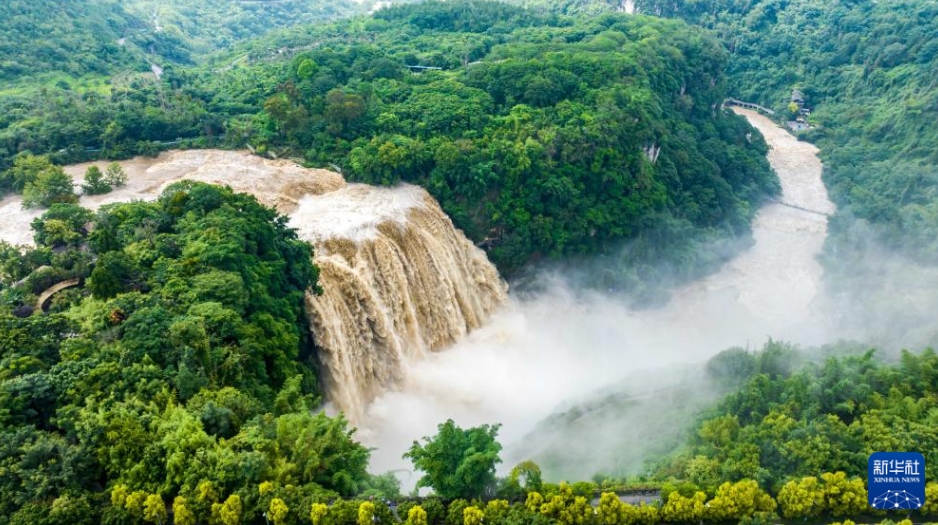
<point x="353" y="212"/>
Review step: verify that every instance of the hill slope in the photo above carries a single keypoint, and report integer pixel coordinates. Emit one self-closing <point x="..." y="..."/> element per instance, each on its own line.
<point x="106" y="36"/>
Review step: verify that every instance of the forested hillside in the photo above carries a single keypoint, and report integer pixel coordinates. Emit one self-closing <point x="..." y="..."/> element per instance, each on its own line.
<point x="183" y="366"/>
<point x="574" y="7"/>
<point x="110" y="36"/>
<point x="868" y="69"/>
<point x="45" y="35"/>
<point x="787" y="422"/>
<point x="541" y="137"/>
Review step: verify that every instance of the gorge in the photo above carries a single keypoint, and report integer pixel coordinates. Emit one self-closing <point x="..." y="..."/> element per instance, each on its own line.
<point x="401" y="283"/>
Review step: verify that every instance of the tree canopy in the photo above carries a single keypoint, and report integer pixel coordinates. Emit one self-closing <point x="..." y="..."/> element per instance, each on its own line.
<point x="457" y="463"/>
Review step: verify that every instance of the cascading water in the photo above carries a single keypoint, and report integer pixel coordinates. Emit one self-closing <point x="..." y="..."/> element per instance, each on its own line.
<point x="399" y="281"/>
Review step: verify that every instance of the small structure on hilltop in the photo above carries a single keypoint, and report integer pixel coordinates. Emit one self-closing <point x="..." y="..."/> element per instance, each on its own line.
<point x="797" y="106"/>
<point x="797" y="97"/>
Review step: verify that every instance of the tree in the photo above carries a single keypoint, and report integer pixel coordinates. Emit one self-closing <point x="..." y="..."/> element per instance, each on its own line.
<point x="534" y="501"/>
<point x="61" y="225"/>
<point x="113" y="274"/>
<point x="229" y="512"/>
<point x="317" y="513"/>
<point x="735" y="501"/>
<point x="930" y="505"/>
<point x="802" y="498"/>
<point x="496" y="511"/>
<point x="731" y="367"/>
<point x="416" y="516"/>
<point x="342" y="111"/>
<point x="95" y="183"/>
<point x="135" y="502"/>
<point x="454" y="512"/>
<point x="115" y="176"/>
<point x="457" y="462"/>
<point x="181" y="513"/>
<point x="25" y="169"/>
<point x="366" y="513"/>
<point x="154" y="510"/>
<point x="527" y="474"/>
<point x="50" y="186"/>
<point x="639" y="515"/>
<point x="472" y="515"/>
<point x="680" y="509"/>
<point x="609" y="511"/>
<point x="577" y="513"/>
<point x="382" y="486"/>
<point x="844" y="496"/>
<point x="278" y="511"/>
<point x="307" y="69"/>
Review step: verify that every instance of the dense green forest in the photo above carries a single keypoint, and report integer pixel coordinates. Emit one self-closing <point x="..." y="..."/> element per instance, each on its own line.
<point x="183" y="366"/>
<point x="868" y="71"/>
<point x="63" y="41"/>
<point x="177" y="386"/>
<point x="573" y="7"/>
<point x="542" y="137"/>
<point x="788" y="421"/>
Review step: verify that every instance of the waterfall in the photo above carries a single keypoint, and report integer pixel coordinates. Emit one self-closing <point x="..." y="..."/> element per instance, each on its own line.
<point x="398" y="281"/>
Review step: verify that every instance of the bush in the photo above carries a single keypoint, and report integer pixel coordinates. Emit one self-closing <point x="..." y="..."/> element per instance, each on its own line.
<point x="95" y="182"/>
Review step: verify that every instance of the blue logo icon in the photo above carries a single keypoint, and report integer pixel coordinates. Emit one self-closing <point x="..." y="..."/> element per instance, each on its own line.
<point x="896" y="480"/>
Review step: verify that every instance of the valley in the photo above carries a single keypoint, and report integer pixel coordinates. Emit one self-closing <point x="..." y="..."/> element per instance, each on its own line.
<point x="465" y="262"/>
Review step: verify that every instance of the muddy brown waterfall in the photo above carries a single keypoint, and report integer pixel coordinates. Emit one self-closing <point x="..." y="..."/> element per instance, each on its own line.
<point x="399" y="281"/>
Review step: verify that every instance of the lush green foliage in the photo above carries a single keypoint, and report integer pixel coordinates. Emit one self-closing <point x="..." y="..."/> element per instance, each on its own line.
<point x="825" y="417"/>
<point x="566" y="139"/>
<point x="456" y="462"/>
<point x="186" y="376"/>
<point x="41" y="182"/>
<point x="179" y="383"/>
<point x="95" y="183"/>
<point x="71" y="37"/>
<point x="573" y="7"/>
<point x="109" y="36"/>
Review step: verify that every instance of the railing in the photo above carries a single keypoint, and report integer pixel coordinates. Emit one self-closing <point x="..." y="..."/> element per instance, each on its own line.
<point x="46" y="296"/>
<point x="747" y="105"/>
